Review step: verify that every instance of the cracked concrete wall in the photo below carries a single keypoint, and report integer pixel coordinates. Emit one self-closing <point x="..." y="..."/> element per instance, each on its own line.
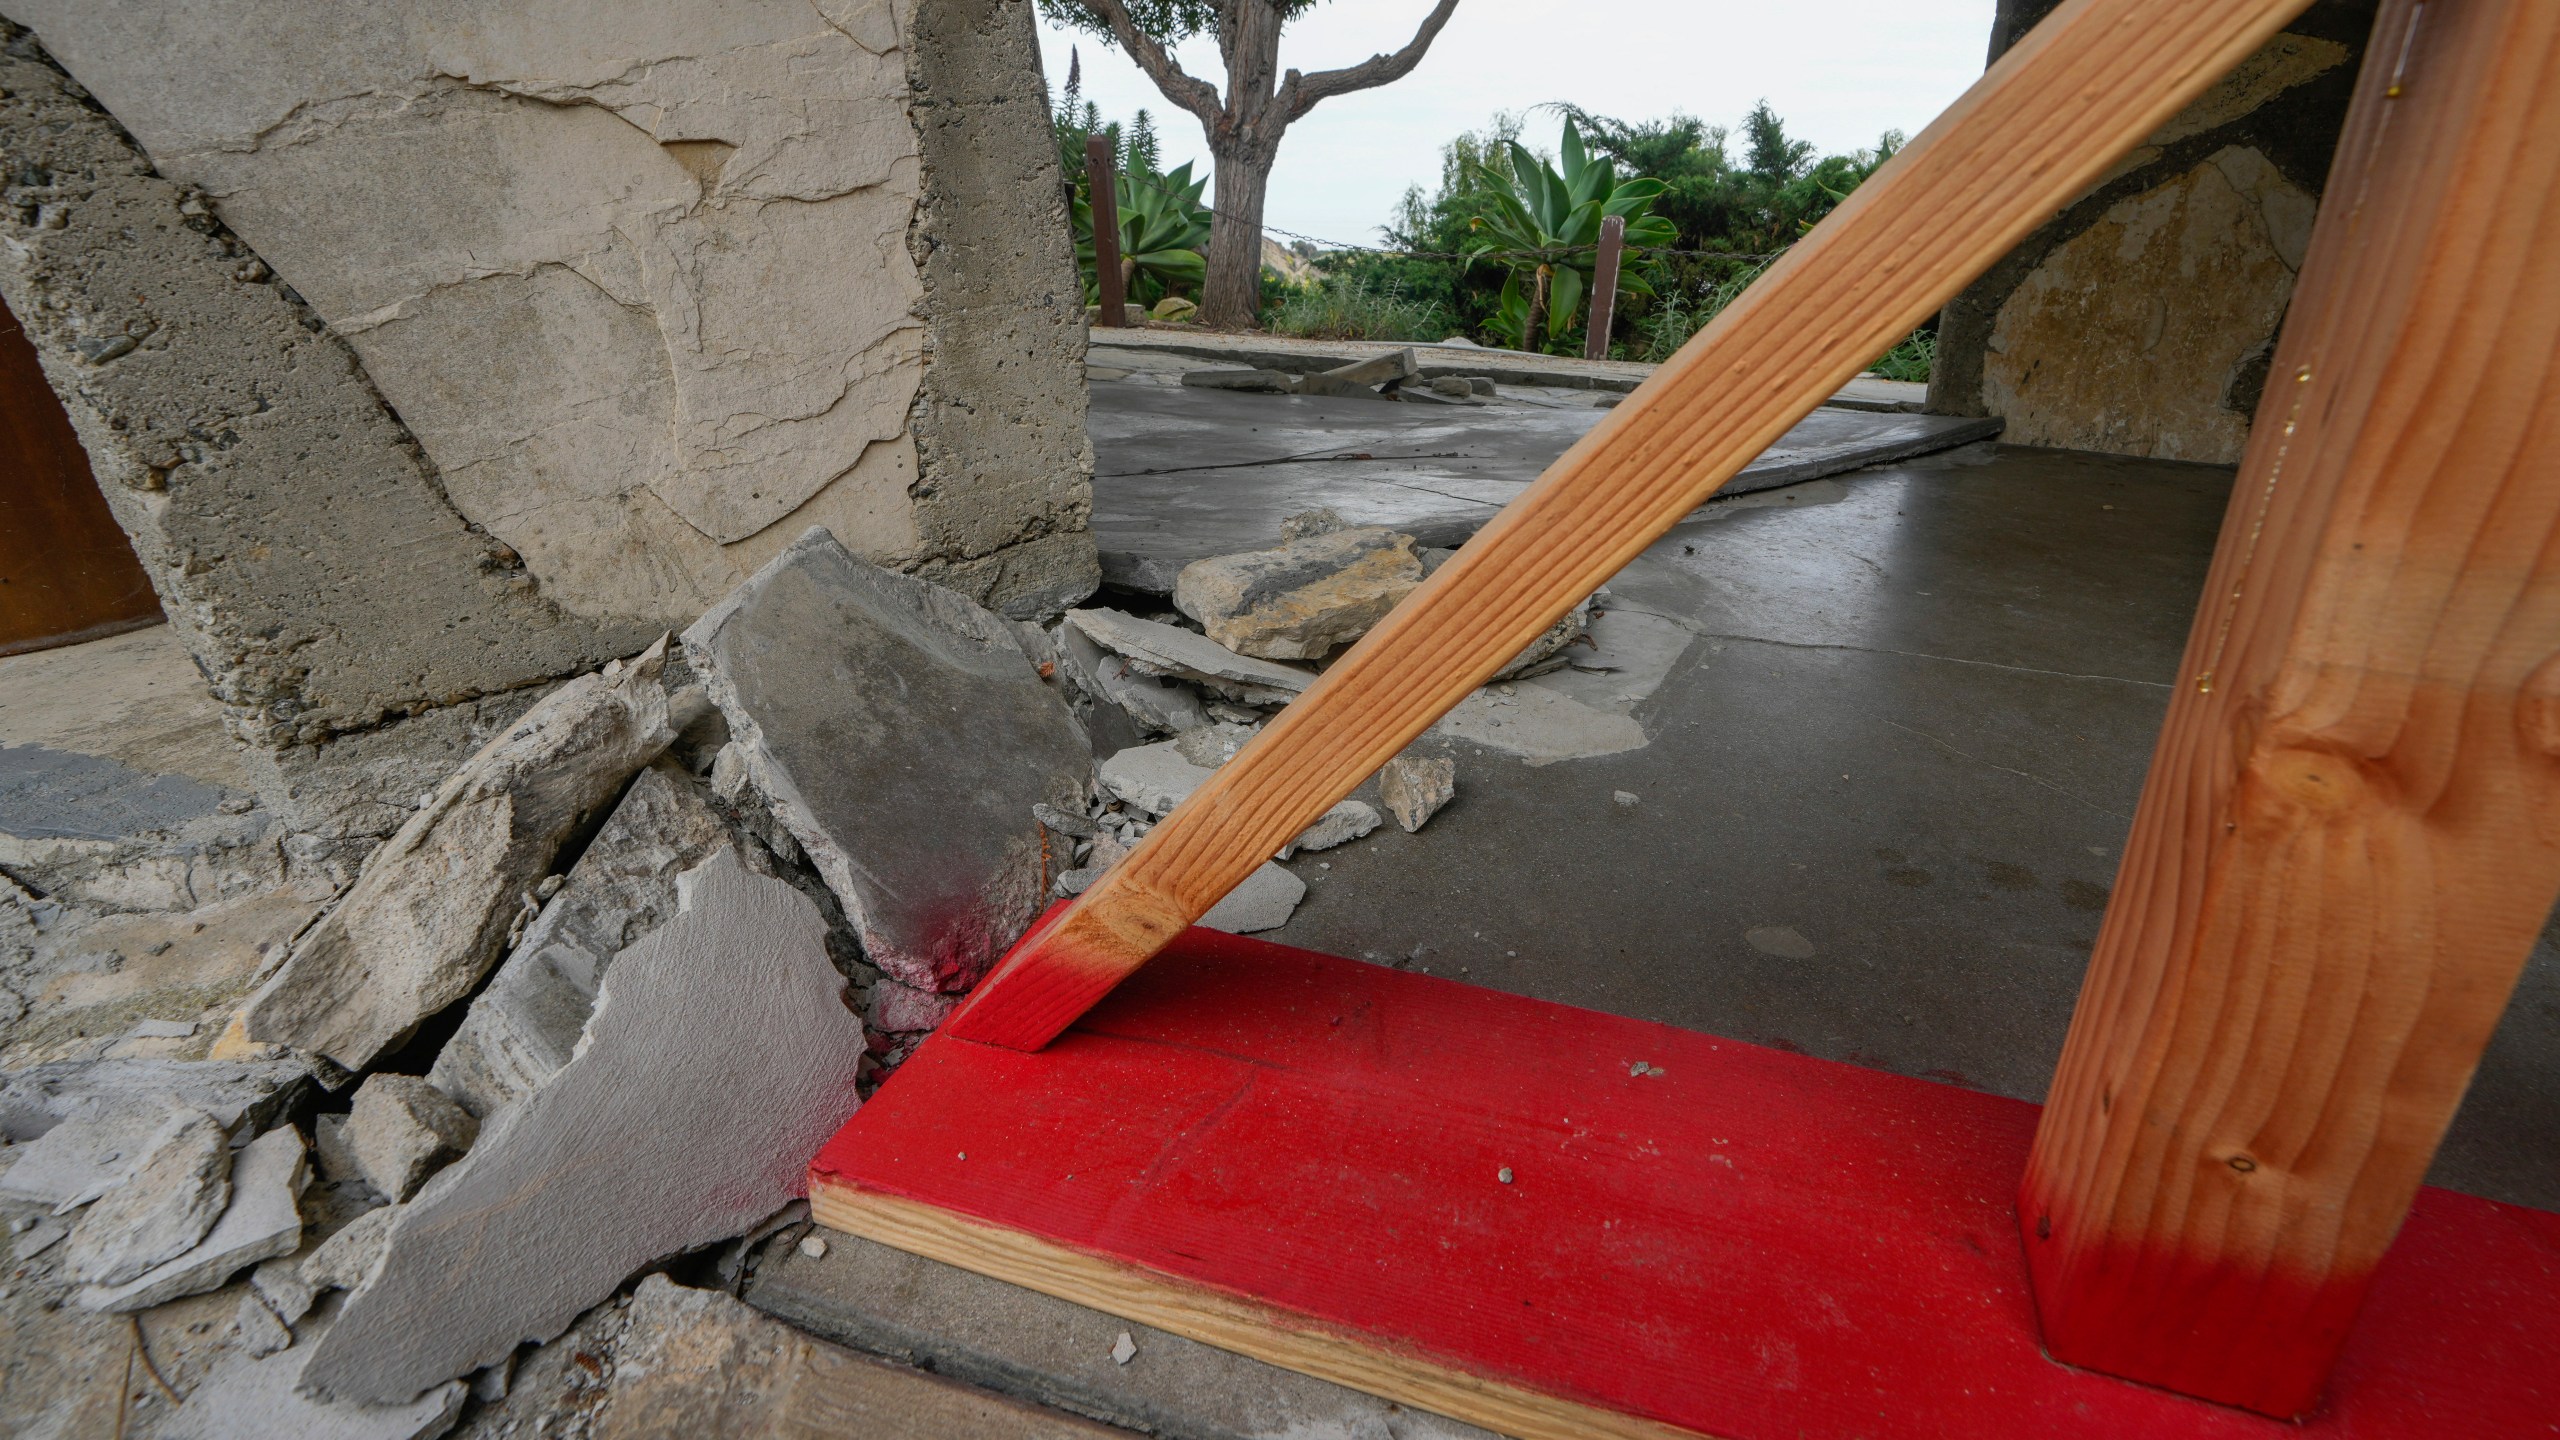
<point x="2141" y="321"/>
<point x="302" y="547"/>
<point x="638" y="273"/>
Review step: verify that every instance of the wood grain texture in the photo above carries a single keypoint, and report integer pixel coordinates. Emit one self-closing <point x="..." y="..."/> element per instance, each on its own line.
<point x="2351" y="830"/>
<point x="2050" y="116"/>
<point x="1300" y="1158"/>
<point x="67" y="573"/>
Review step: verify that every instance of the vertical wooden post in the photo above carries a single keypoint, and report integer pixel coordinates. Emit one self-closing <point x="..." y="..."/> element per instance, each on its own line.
<point x="2351" y="830"/>
<point x="1604" y="288"/>
<point x="1102" y="179"/>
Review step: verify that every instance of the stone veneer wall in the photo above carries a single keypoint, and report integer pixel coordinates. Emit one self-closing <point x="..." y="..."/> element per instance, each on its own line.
<point x="655" y="285"/>
<point x="2142" y="320"/>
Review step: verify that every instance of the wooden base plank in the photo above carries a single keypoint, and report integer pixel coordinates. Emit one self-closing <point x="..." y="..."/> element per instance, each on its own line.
<point x="1302" y="1158"/>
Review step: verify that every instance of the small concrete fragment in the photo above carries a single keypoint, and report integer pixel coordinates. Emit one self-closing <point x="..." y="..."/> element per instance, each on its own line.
<point x="346" y="1260"/>
<point x="1303" y="600"/>
<point x="39" y="1237"/>
<point x="1361" y="378"/>
<point x="83" y="1158"/>
<point x="279" y="1283"/>
<point x="260" y="1331"/>
<point x="901" y="735"/>
<point x="1575" y="624"/>
<point x="1171" y="650"/>
<point x="904" y="1010"/>
<point x="177" y="1188"/>
<point x="1415" y="787"/>
<point x="403" y="1130"/>
<point x="263" y="1221"/>
<point x="1159" y="704"/>
<point x="1213" y="745"/>
<point x="1152" y="778"/>
<point x="1305" y="523"/>
<point x="523" y="1025"/>
<point x="333" y="1155"/>
<point x="1264" y="901"/>
<point x="1340" y="825"/>
<point x="261" y="1399"/>
<point x="435" y="904"/>
<point x="721" y="1055"/>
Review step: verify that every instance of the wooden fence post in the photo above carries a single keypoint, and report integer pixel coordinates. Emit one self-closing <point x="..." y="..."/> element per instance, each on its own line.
<point x="1102" y="179"/>
<point x="1604" y="288"/>
<point x="2351" y="831"/>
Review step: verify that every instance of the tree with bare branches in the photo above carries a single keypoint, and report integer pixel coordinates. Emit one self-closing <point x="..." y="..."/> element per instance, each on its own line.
<point x="1244" y="126"/>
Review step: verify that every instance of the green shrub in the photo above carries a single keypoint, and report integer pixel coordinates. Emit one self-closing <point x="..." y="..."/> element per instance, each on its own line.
<point x="1911" y="359"/>
<point x="1343" y="308"/>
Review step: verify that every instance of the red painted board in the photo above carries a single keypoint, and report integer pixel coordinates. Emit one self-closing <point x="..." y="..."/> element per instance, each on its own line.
<point x="1746" y="1243"/>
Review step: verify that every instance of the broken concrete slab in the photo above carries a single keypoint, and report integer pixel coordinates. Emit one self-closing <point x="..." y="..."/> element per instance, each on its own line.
<point x="348" y="1259"/>
<point x="1361" y="378"/>
<point x="1304" y="599"/>
<point x="901" y="735"/>
<point x="1152" y="778"/>
<point x="403" y="1130"/>
<point x="1052" y="1352"/>
<point x="1214" y="745"/>
<point x="1416" y="787"/>
<point x="1264" y="901"/>
<point x="433" y="909"/>
<point x="722" y="1053"/>
<point x="1107" y="727"/>
<point x="1159" y="704"/>
<point x="696" y="1362"/>
<point x="262" y="1222"/>
<point x="177" y="1187"/>
<point x="1186" y="655"/>
<point x="247" y="1398"/>
<point x="522" y="1027"/>
<point x="1573" y="626"/>
<point x="83" y="1158"/>
<point x="1539" y="725"/>
<point x="280" y="1285"/>
<point x="1340" y="825"/>
<point x="35" y="1100"/>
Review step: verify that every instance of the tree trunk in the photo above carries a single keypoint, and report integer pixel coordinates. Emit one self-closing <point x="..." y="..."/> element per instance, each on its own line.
<point x="1233" y="298"/>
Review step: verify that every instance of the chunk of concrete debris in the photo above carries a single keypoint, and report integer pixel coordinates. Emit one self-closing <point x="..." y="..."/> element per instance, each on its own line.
<point x="522" y="1026"/>
<point x="1170" y="650"/>
<point x="83" y="1158"/>
<point x="1249" y="382"/>
<point x="1152" y="778"/>
<point x="263" y="1221"/>
<point x="179" y="1183"/>
<point x="35" y="1100"/>
<point x="721" y="1055"/>
<point x="1213" y="745"/>
<point x="332" y="1154"/>
<point x="38" y="1237"/>
<point x="248" y="1398"/>
<point x="1311" y="522"/>
<point x="260" y="1331"/>
<point x="1264" y="901"/>
<point x="280" y="1284"/>
<point x="1302" y="600"/>
<point x="1107" y="726"/>
<point x="901" y="735"/>
<point x="433" y="909"/>
<point x="1340" y="825"/>
<point x="1157" y="703"/>
<point x="1065" y="822"/>
<point x="1361" y="378"/>
<point x="403" y="1130"/>
<point x="1543" y="650"/>
<point x="1415" y="787"/>
<point x="346" y="1260"/>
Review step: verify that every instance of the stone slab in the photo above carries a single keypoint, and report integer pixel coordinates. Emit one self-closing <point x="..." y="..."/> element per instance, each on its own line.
<point x="258" y="1399"/>
<point x="36" y="1100"/>
<point x="1190" y="655"/>
<point x="902" y="735"/>
<point x="1051" y="1352"/>
<point x="722" y="1052"/>
<point x="522" y="1027"/>
<point x="1181" y="475"/>
<point x="263" y="1221"/>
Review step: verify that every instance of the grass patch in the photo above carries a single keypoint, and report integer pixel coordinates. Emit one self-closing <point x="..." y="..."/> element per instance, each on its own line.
<point x="1342" y="308"/>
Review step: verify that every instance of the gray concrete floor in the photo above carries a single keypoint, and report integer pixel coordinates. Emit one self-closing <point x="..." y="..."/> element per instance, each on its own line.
<point x="1885" y="791"/>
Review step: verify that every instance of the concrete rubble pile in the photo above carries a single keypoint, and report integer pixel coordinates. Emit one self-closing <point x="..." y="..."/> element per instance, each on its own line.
<point x="1396" y="375"/>
<point x="591" y="1008"/>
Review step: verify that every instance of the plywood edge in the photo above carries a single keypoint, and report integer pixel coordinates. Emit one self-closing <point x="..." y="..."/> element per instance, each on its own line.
<point x="1196" y="1312"/>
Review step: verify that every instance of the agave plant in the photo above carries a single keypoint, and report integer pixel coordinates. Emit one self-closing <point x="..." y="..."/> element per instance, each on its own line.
<point x="1163" y="227"/>
<point x="1543" y="226"/>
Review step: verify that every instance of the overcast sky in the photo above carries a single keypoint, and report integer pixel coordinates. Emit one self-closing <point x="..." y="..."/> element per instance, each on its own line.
<point x="1841" y="73"/>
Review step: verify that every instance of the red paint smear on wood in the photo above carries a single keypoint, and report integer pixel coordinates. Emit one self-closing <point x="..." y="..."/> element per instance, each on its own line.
<point x="1750" y="1244"/>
